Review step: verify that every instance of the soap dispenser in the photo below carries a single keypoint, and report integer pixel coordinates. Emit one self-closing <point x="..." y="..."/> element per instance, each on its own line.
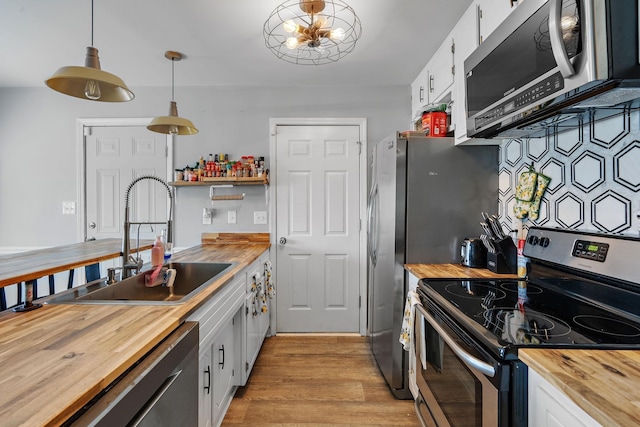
<point x="157" y="252"/>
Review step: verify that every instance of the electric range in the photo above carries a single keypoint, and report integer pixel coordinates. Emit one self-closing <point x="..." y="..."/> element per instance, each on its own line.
<point x="582" y="290"/>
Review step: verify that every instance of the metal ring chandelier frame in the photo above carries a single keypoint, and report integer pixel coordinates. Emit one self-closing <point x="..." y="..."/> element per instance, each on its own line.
<point x="323" y="31"/>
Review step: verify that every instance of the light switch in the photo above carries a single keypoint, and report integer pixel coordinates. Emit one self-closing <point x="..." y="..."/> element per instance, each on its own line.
<point x="260" y="217"/>
<point x="231" y="217"/>
<point x="206" y="215"/>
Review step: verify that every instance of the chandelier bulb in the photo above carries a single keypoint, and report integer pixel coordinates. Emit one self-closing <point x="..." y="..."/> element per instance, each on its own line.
<point x="289" y="26"/>
<point x="173" y="130"/>
<point x="92" y="90"/>
<point x="292" y="43"/>
<point x="337" y="34"/>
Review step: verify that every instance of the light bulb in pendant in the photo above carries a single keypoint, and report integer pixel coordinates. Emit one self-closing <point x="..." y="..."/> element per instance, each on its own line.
<point x="173" y="130"/>
<point x="92" y="90"/>
<point x="289" y="26"/>
<point x="337" y="34"/>
<point x="292" y="43"/>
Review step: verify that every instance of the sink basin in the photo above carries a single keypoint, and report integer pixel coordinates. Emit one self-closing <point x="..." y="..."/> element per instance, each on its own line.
<point x="191" y="278"/>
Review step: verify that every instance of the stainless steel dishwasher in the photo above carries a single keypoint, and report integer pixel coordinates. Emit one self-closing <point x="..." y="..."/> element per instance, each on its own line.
<point x="161" y="390"/>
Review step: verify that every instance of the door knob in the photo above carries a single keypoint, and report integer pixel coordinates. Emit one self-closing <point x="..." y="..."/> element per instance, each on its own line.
<point x="283" y="241"/>
<point x="92" y="225"/>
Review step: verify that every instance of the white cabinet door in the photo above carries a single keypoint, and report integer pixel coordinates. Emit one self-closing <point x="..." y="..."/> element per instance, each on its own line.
<point x="224" y="369"/>
<point x="205" y="387"/>
<point x="549" y="407"/>
<point x="441" y="71"/>
<point x="419" y="93"/>
<point x="490" y="14"/>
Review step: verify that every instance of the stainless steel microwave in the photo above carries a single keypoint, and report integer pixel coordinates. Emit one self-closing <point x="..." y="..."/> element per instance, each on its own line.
<point x="553" y="64"/>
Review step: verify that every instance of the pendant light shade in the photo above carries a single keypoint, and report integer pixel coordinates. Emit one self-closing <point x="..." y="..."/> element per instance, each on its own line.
<point x="90" y="82"/>
<point x="172" y="124"/>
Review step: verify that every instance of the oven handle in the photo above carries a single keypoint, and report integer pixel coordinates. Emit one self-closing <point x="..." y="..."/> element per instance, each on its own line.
<point x="468" y="359"/>
<point x="416" y="404"/>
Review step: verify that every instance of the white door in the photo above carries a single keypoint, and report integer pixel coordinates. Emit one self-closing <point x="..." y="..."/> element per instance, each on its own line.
<point x="115" y="155"/>
<point x="317" y="227"/>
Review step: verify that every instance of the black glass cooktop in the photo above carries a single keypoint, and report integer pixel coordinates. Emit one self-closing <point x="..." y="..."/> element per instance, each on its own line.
<point x="492" y="312"/>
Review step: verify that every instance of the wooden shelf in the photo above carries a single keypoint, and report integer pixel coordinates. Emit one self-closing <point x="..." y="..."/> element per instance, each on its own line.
<point x="258" y="180"/>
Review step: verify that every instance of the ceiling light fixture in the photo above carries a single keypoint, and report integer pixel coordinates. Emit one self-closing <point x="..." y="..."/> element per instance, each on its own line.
<point x="172" y="124"/>
<point x="90" y="82"/>
<point x="312" y="32"/>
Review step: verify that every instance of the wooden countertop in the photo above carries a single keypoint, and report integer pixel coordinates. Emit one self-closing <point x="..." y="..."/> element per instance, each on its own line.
<point x="604" y="383"/>
<point x="32" y="265"/>
<point x="53" y="360"/>
<point x="453" y="271"/>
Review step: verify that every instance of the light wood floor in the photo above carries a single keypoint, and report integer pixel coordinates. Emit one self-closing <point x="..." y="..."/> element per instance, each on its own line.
<point x="317" y="381"/>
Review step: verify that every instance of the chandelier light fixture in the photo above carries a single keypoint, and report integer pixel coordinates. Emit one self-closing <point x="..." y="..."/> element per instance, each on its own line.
<point x="172" y="124"/>
<point x="90" y="82"/>
<point x="312" y="32"/>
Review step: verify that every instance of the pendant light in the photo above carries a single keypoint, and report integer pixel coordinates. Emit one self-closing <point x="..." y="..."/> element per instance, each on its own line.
<point x="172" y="124"/>
<point x="90" y="82"/>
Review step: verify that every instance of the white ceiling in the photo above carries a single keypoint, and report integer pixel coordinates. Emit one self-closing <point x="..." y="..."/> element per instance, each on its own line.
<point x="221" y="39"/>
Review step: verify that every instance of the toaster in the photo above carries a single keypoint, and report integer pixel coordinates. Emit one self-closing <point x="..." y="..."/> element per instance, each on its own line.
<point x="473" y="253"/>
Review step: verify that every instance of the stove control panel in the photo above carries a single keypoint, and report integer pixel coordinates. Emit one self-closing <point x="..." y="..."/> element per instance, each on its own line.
<point x="590" y="250"/>
<point x="610" y="255"/>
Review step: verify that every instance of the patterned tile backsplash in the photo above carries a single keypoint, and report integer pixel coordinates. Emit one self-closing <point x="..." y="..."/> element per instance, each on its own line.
<point x="594" y="171"/>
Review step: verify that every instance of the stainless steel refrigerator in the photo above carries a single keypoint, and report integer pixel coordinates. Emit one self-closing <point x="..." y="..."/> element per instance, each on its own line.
<point x="426" y="198"/>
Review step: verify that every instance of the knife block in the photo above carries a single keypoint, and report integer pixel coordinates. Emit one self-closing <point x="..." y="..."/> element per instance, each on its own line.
<point x="505" y="259"/>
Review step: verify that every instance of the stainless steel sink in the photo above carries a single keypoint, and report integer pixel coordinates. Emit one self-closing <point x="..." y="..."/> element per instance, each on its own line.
<point x="191" y="278"/>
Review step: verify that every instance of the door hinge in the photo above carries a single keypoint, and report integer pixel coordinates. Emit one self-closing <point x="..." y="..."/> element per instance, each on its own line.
<point x="453" y="46"/>
<point x="166" y="151"/>
<point x="233" y="372"/>
<point x="359" y="147"/>
<point x="246" y="311"/>
<point x="360" y="224"/>
<point x="246" y="366"/>
<point x="360" y="301"/>
<point x="87" y="131"/>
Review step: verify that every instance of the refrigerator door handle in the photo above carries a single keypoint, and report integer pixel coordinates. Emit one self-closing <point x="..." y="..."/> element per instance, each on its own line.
<point x="371" y="229"/>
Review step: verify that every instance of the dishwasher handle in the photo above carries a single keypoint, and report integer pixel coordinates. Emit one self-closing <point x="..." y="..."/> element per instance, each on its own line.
<point x="471" y="361"/>
<point x="152" y="402"/>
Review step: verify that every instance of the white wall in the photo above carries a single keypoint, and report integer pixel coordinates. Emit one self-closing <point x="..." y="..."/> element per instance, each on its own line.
<point x="38" y="147"/>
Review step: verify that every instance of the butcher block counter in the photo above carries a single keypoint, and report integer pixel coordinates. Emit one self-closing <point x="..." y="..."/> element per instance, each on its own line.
<point x="53" y="360"/>
<point x="603" y="383"/>
<point x="453" y="271"/>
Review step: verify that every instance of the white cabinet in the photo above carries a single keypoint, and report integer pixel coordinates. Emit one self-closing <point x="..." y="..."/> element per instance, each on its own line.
<point x="489" y="14"/>
<point x="230" y="338"/>
<point x="219" y="322"/>
<point x="433" y="84"/>
<point x="257" y="314"/>
<point x="549" y="407"/>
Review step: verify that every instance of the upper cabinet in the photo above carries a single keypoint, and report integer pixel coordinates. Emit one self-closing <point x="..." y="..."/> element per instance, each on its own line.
<point x="443" y="80"/>
<point x="489" y="14"/>
<point x="433" y="84"/>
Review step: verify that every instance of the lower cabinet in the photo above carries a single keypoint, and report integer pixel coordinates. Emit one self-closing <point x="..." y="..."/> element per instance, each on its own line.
<point x="232" y="326"/>
<point x="550" y="407"/>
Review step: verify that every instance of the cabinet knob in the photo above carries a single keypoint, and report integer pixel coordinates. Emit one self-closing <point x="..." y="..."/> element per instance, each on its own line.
<point x="283" y="241"/>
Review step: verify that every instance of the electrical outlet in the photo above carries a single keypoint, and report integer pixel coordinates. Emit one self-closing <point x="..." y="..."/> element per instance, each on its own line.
<point x="231" y="217"/>
<point x="68" y="208"/>
<point x="206" y="216"/>
<point x="260" y="217"/>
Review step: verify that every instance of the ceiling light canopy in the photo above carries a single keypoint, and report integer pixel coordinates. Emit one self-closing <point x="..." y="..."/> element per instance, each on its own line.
<point x="90" y="82"/>
<point x="172" y="124"/>
<point x="312" y="32"/>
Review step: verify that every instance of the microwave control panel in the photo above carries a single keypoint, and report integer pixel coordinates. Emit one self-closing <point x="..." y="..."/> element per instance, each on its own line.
<point x="531" y="96"/>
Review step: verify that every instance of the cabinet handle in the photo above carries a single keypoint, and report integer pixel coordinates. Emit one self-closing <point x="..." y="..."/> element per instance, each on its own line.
<point x="421" y="93"/>
<point x="222" y="350"/>
<point x="208" y="386"/>
<point x="431" y="83"/>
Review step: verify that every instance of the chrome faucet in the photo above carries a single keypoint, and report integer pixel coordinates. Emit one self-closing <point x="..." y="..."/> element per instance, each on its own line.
<point x="130" y="263"/>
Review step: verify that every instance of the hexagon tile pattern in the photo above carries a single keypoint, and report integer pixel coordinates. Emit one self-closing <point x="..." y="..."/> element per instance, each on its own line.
<point x="626" y="167"/>
<point x="595" y="183"/>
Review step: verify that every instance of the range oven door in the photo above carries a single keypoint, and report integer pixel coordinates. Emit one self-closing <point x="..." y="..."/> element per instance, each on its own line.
<point x="454" y="380"/>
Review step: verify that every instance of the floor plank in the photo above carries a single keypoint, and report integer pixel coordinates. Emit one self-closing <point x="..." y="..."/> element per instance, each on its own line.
<point x="317" y="381"/>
